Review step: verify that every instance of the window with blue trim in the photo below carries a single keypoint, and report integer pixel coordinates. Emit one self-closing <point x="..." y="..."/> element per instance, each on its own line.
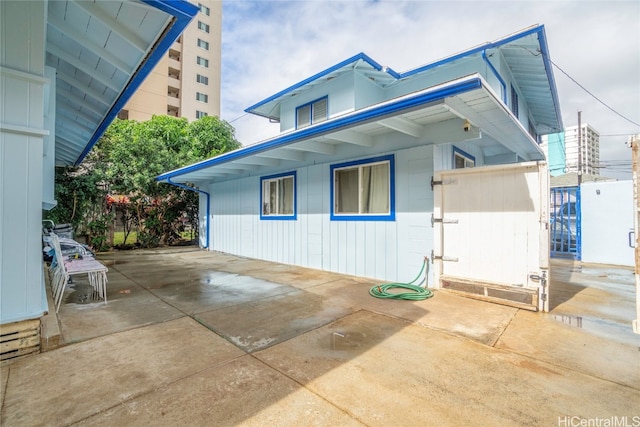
<point x="313" y="112"/>
<point x="278" y="196"/>
<point x="363" y="190"/>
<point x="514" y="101"/>
<point x="462" y="159"/>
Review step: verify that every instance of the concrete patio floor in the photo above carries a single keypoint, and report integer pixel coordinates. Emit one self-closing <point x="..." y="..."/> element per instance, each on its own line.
<point x="199" y="338"/>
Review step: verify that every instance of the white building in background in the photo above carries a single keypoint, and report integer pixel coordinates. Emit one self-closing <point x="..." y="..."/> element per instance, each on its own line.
<point x="590" y="149"/>
<point x="561" y="151"/>
<point x="186" y="81"/>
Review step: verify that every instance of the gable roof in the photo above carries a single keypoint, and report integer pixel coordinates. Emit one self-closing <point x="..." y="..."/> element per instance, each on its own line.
<point x="102" y="51"/>
<point x="354" y="134"/>
<point x="525" y="52"/>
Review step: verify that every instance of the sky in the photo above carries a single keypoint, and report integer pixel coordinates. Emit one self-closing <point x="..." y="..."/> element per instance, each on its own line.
<point x="268" y="46"/>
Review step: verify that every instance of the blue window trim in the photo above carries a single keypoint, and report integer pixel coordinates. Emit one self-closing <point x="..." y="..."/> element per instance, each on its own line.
<point x="391" y="216"/>
<point x="462" y="153"/>
<point x="295" y="197"/>
<point x="311" y="122"/>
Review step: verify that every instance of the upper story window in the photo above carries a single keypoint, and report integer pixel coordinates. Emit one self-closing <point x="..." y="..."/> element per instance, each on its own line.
<point x="462" y="159"/>
<point x="202" y="79"/>
<point x="202" y="97"/>
<point x="203" y="62"/>
<point x="278" y="196"/>
<point x="313" y="112"/>
<point x="204" y="9"/>
<point x="201" y="114"/>
<point x="363" y="190"/>
<point x="203" y="44"/>
<point x="514" y="101"/>
<point x="202" y="26"/>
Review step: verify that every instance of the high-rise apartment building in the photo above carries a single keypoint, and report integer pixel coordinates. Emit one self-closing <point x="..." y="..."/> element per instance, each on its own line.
<point x="561" y="150"/>
<point x="186" y="82"/>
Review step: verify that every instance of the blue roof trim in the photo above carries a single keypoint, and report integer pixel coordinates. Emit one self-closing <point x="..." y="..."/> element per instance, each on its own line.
<point x="537" y="29"/>
<point x="332" y="125"/>
<point x="544" y="49"/>
<point x="183" y="12"/>
<point x="360" y="56"/>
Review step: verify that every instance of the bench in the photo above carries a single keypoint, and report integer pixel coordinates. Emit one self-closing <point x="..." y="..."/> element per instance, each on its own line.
<point x="64" y="268"/>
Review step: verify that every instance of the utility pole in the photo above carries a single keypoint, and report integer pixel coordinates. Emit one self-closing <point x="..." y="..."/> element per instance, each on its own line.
<point x="579" y="148"/>
<point x="635" y="161"/>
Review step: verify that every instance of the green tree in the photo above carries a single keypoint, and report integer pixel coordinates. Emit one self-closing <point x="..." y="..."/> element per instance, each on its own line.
<point x="127" y="160"/>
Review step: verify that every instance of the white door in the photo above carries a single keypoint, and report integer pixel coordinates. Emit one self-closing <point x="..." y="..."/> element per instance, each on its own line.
<point x="491" y="233"/>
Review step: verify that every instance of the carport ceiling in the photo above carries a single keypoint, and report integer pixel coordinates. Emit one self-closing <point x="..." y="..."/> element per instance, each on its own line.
<point x="100" y="50"/>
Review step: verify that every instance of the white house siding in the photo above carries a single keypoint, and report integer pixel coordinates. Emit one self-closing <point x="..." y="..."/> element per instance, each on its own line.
<point x="387" y="250"/>
<point x="22" y="132"/>
<point x="607" y="219"/>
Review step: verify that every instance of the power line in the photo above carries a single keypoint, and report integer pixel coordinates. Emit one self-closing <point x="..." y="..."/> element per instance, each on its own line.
<point x="586" y="90"/>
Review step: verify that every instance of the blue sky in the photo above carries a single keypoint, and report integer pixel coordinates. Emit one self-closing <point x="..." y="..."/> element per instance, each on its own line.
<point x="270" y="45"/>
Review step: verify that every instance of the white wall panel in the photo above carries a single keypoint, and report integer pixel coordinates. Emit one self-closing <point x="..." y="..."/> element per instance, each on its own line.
<point x="607" y="220"/>
<point x="387" y="250"/>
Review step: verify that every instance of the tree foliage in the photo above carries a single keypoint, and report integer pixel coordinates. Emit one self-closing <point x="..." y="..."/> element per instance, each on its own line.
<point x="125" y="162"/>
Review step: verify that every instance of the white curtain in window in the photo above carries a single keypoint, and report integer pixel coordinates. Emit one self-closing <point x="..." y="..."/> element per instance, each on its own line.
<point x="375" y="188"/>
<point x="304" y="116"/>
<point x="319" y="111"/>
<point x="286" y="196"/>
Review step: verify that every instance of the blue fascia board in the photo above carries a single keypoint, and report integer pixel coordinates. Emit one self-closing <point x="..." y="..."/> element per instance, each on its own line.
<point x="537" y="29"/>
<point x="360" y="56"/>
<point x="183" y="12"/>
<point x="386" y="109"/>
<point x="544" y="49"/>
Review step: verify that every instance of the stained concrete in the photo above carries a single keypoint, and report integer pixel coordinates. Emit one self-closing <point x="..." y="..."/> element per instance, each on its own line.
<point x="196" y="338"/>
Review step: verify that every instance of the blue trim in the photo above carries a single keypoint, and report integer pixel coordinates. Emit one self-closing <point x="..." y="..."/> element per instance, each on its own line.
<point x="355" y="58"/>
<point x="311" y="110"/>
<point x="392" y="190"/>
<point x="186" y="187"/>
<point x="183" y="12"/>
<point x="295" y="197"/>
<point x="498" y="76"/>
<point x="542" y="39"/>
<point x="462" y="153"/>
<point x="387" y="109"/>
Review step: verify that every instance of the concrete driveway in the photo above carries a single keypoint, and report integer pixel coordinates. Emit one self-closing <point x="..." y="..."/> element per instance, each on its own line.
<point x="199" y="338"/>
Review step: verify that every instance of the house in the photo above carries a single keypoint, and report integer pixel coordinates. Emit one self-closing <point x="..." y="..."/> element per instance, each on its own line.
<point x="376" y="172"/>
<point x="67" y="67"/>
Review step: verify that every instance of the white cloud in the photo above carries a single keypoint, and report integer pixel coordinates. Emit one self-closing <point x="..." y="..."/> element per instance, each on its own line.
<point x="270" y="45"/>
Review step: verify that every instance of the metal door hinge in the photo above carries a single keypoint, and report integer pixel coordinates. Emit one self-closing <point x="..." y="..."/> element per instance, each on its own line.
<point x="435" y="257"/>
<point x="442" y="220"/>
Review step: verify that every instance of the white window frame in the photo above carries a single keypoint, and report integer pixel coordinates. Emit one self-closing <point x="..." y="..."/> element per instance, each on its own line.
<point x="311" y="117"/>
<point x="360" y="165"/>
<point x="204" y="80"/>
<point x="203" y="62"/>
<point x="201" y="114"/>
<point x="265" y="198"/>
<point x="204" y="9"/>
<point x="468" y="161"/>
<point x="203" y="44"/>
<point x="203" y="26"/>
<point x="202" y="97"/>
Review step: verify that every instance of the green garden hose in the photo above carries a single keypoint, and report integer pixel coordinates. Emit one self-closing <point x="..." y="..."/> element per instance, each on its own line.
<point x="418" y="293"/>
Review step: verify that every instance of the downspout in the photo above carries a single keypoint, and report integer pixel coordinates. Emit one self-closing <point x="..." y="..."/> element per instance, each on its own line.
<point x="186" y="187"/>
<point x="495" y="72"/>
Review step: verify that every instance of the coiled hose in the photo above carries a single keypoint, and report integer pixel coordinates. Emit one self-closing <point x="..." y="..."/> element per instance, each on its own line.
<point x="417" y="293"/>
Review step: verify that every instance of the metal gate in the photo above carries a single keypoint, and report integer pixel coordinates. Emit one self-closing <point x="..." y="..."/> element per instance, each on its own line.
<point x="565" y="223"/>
<point x="491" y="234"/>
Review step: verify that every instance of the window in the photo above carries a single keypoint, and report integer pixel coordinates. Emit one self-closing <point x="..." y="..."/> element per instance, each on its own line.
<point x="201" y="114"/>
<point x="202" y="97"/>
<point x="514" y="101"/>
<point x="202" y="79"/>
<point x="203" y="62"/>
<point x="203" y="44"/>
<point x="462" y="159"/>
<point x="278" y="196"/>
<point x="202" y="26"/>
<point x="363" y="190"/>
<point x="204" y="9"/>
<point x="313" y="112"/>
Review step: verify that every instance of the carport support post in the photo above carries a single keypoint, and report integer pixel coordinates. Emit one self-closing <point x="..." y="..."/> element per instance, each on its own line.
<point x="633" y="143"/>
